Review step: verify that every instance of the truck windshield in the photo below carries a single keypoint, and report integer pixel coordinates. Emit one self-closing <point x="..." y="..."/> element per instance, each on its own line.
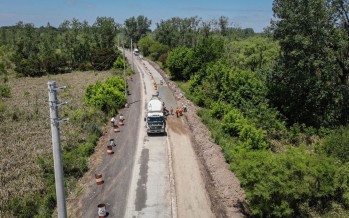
<point x="155" y="119"/>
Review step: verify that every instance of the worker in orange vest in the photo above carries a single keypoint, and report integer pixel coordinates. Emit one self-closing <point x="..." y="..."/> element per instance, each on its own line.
<point x="180" y="111"/>
<point x="177" y="111"/>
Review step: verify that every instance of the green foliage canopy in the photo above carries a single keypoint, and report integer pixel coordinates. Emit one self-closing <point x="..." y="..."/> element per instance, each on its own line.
<point x="107" y="96"/>
<point x="307" y="84"/>
<point x="285" y="185"/>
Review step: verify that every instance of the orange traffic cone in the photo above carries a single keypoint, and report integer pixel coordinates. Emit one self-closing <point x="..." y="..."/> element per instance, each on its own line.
<point x="110" y="149"/>
<point x="99" y="179"/>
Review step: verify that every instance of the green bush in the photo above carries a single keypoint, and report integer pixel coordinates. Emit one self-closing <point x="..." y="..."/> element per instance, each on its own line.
<point x="74" y="164"/>
<point x="2" y="108"/>
<point x="156" y="50"/>
<point x="252" y="138"/>
<point x="337" y="144"/>
<point x="219" y="109"/>
<point x="233" y="122"/>
<point x="280" y="185"/>
<point x="179" y="62"/>
<point x="25" y="206"/>
<point x="119" y="63"/>
<point x="108" y="96"/>
<point x="5" y="91"/>
<point x="145" y="43"/>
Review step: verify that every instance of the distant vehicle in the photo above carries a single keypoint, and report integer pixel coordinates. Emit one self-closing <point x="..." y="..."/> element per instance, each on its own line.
<point x="155" y="118"/>
<point x="136" y="52"/>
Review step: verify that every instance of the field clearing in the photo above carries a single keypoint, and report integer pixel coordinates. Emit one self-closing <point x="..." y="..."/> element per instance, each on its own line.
<point x="25" y="132"/>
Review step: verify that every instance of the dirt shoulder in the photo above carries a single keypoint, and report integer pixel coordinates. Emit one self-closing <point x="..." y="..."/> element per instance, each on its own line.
<point x="226" y="195"/>
<point x="192" y="199"/>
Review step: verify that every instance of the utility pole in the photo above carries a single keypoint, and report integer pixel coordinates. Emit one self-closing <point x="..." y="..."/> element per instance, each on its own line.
<point x="57" y="158"/>
<point x="133" y="67"/>
<point x="123" y="49"/>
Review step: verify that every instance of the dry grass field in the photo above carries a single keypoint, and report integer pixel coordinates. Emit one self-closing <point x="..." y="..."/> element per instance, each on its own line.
<point x="25" y="132"/>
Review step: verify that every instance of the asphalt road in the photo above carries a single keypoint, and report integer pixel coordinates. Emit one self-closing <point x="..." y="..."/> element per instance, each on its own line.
<point x="117" y="168"/>
<point x="138" y="177"/>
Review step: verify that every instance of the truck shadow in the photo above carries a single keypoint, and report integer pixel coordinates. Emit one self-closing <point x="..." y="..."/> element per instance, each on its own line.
<point x="157" y="134"/>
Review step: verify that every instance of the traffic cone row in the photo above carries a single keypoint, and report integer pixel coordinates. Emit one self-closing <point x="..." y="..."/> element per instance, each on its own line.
<point x="102" y="213"/>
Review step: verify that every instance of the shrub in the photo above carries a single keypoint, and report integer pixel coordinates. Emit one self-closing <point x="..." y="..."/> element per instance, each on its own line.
<point x="219" y="109"/>
<point x="337" y="144"/>
<point x="156" y="50"/>
<point x="5" y="91"/>
<point x="108" y="96"/>
<point x="2" y="108"/>
<point x="252" y="138"/>
<point x="233" y="122"/>
<point x="279" y="185"/>
<point x="119" y="63"/>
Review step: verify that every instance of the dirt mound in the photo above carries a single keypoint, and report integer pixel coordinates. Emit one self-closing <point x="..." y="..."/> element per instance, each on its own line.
<point x="226" y="194"/>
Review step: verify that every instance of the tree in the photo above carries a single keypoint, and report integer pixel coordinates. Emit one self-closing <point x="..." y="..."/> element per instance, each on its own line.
<point x="254" y="53"/>
<point x="340" y="41"/>
<point x="26" y="50"/>
<point x="105" y="29"/>
<point x="137" y="27"/>
<point x="76" y="39"/>
<point x="177" y="31"/>
<point x="145" y="43"/>
<point x="156" y="50"/>
<point x="306" y="82"/>
<point x="103" y="58"/>
<point x="50" y="61"/>
<point x="179" y="63"/>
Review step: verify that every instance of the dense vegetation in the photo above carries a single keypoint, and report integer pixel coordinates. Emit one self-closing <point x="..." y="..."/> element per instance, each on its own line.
<point x="276" y="102"/>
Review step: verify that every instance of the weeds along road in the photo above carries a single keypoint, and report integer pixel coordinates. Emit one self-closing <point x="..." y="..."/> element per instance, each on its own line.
<point x="147" y="176"/>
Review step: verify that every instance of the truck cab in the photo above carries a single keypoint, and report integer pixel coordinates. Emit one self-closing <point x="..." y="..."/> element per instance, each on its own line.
<point x="136" y="52"/>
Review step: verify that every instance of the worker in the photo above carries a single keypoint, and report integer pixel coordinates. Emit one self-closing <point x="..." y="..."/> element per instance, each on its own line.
<point x="121" y="117"/>
<point x="177" y="111"/>
<point x="185" y="108"/>
<point x="180" y="111"/>
<point x="171" y="109"/>
<point x="112" y="121"/>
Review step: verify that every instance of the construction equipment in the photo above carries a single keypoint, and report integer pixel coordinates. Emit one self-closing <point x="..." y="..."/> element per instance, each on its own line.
<point x="155" y="119"/>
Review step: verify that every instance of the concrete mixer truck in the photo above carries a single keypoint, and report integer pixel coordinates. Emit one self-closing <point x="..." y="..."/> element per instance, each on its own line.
<point x="155" y="119"/>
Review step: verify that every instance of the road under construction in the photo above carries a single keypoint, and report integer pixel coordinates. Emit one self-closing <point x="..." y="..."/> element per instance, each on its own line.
<point x="145" y="176"/>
